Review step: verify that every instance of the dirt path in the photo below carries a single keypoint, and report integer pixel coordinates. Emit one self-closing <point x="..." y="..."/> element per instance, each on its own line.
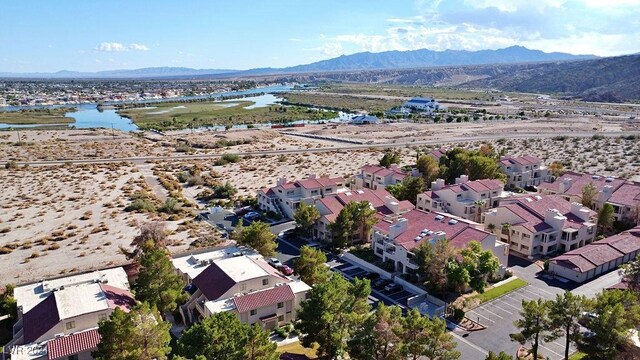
<point x="152" y="181"/>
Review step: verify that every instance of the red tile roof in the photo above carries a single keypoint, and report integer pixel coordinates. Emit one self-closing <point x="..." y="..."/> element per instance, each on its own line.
<point x="522" y="160"/>
<point x="532" y="211"/>
<point x="460" y="233"/>
<point x="72" y="344"/>
<point x="118" y="298"/>
<point x="627" y="194"/>
<point x="579" y="181"/>
<point x="263" y="298"/>
<point x="484" y="185"/>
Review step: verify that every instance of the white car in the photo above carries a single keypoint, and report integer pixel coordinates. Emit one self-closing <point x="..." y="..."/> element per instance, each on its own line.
<point x="275" y="263"/>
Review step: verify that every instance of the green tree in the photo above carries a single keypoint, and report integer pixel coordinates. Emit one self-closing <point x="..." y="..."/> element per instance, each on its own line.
<point x="589" y="193"/>
<point x="605" y="218"/>
<point x="432" y="260"/>
<point x="8" y="304"/>
<point x="440" y="344"/>
<point x="306" y="217"/>
<point x="258" y="346"/>
<point x="484" y="167"/>
<point x="534" y="324"/>
<point x="158" y="284"/>
<point x="616" y="312"/>
<point x="379" y="337"/>
<point x="501" y="356"/>
<point x="415" y="334"/>
<point x="258" y="235"/>
<point x="332" y="313"/>
<point x="219" y="336"/>
<point x="408" y="189"/>
<point x="138" y="335"/>
<point x="364" y="218"/>
<point x="390" y="157"/>
<point x="428" y="167"/>
<point x="342" y="229"/>
<point x="564" y="313"/>
<point x="472" y="268"/>
<point x="631" y="275"/>
<point x="311" y="266"/>
<point x="152" y="236"/>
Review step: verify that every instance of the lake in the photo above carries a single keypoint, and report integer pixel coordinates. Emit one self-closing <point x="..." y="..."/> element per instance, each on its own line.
<point x="88" y="115"/>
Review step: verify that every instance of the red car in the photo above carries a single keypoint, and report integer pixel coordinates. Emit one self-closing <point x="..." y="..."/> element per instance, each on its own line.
<point x="285" y="269"/>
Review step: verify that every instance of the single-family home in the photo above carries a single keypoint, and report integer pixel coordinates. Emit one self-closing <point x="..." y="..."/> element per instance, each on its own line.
<point x="60" y="316"/>
<point x="583" y="264"/>
<point x="541" y="225"/>
<point x="365" y="119"/>
<point x="422" y="104"/>
<point x="286" y="196"/>
<point x="241" y="283"/>
<point x="395" y="240"/>
<point x="465" y="199"/>
<point x="523" y="171"/>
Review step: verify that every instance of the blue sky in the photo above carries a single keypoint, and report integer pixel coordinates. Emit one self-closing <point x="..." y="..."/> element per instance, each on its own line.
<point x="86" y="35"/>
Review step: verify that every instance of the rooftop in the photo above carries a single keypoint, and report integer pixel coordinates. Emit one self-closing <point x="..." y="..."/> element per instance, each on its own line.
<point x="194" y="264"/>
<point x="531" y="210"/>
<point x="578" y="181"/>
<point x="61" y="348"/>
<point x="522" y="160"/>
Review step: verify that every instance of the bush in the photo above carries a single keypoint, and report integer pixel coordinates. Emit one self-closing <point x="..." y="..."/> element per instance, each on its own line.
<point x="12" y="164"/>
<point x="141" y="205"/>
<point x="458" y="314"/>
<point x="281" y="332"/>
<point x="546" y="265"/>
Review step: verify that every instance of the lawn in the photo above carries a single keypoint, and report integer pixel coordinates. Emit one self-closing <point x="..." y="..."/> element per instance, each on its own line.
<point x="365" y="254"/>
<point x="496" y="292"/>
<point x="184" y="115"/>
<point x="38" y="116"/>
<point x="577" y="355"/>
<point x="297" y="348"/>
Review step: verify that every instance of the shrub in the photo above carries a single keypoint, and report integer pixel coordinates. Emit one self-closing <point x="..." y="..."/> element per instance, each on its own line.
<point x="12" y="164"/>
<point x="5" y="230"/>
<point x="5" y="250"/>
<point x="281" y="332"/>
<point x="458" y="314"/>
<point x="230" y="158"/>
<point x="141" y="205"/>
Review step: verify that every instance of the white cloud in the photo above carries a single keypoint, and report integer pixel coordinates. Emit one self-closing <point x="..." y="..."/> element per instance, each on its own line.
<point x="295" y="40"/>
<point x="330" y="49"/>
<point x="119" y="47"/>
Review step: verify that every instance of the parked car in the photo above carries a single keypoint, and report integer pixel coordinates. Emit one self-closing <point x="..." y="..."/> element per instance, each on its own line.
<point x="275" y="263"/>
<point x="243" y="210"/>
<point x="393" y="288"/>
<point x="251" y="216"/>
<point x="285" y="269"/>
<point x="381" y="283"/>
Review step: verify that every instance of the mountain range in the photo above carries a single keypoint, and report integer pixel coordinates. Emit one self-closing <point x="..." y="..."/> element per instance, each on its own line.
<point x="359" y="61"/>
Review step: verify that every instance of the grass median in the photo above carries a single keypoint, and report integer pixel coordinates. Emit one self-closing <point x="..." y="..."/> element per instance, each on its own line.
<point x="496" y="292"/>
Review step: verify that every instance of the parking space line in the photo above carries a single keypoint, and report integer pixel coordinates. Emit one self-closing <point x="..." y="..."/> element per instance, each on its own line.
<point x="495" y="307"/>
<point x="494" y="314"/>
<point x="506" y="303"/>
<point x="544" y="347"/>
<point x="544" y="291"/>
<point x="476" y="314"/>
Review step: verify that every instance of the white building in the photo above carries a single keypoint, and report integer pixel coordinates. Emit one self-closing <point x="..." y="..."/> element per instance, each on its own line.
<point x="524" y="171"/>
<point x="242" y="284"/>
<point x="542" y="225"/>
<point x="395" y="240"/>
<point x="425" y="105"/>
<point x="465" y="199"/>
<point x="285" y="197"/>
<point x="60" y="316"/>
<point x="378" y="177"/>
<point x="364" y="119"/>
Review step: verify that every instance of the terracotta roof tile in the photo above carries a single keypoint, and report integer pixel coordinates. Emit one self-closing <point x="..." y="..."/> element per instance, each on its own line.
<point x="72" y="344"/>
<point x="263" y="298"/>
<point x="119" y="298"/>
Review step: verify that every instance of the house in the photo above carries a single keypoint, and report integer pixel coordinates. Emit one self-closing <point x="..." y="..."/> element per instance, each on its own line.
<point x="623" y="195"/>
<point x="385" y="204"/>
<point x="378" y="177"/>
<point x="241" y="283"/>
<point x="465" y="199"/>
<point x="421" y="104"/>
<point x="523" y="171"/>
<point x="541" y="225"/>
<point x="364" y="119"/>
<point x="61" y="316"/>
<point x="437" y="154"/>
<point x="395" y="240"/>
<point x="583" y="264"/>
<point x="285" y="197"/>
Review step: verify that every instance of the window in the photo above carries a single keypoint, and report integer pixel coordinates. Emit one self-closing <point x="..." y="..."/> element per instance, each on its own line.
<point x="280" y="305"/>
<point x="102" y="317"/>
<point x="265" y="281"/>
<point x="71" y="325"/>
<point x="253" y="312"/>
<point x="73" y="357"/>
<point x="243" y="287"/>
<point x="281" y="318"/>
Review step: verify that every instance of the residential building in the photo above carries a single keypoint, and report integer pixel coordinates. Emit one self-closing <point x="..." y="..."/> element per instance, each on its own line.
<point x="395" y="240"/>
<point x="623" y="195"/>
<point x="378" y="177"/>
<point x="465" y="199"/>
<point x="61" y="316"/>
<point x="285" y="197"/>
<point x="541" y="225"/>
<point x="523" y="171"/>
<point x="583" y="264"/>
<point x="421" y="104"/>
<point x="364" y="119"/>
<point x="386" y="206"/>
<point x="437" y="154"/>
<point x="239" y="283"/>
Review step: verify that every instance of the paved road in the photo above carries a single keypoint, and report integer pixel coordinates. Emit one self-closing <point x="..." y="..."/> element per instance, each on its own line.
<point x="179" y="157"/>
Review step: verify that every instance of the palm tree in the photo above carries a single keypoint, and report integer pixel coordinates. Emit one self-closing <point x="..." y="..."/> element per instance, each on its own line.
<point x="479" y="204"/>
<point x="491" y="228"/>
<point x="507" y="227"/>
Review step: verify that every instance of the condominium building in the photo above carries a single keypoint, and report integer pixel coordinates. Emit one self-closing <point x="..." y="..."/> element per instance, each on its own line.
<point x="241" y="283"/>
<point x="378" y="177"/>
<point x="285" y="197"/>
<point x="465" y="199"/>
<point x="59" y="317"/>
<point x="541" y="225"/>
<point x="395" y="240"/>
<point x="385" y="205"/>
<point x="523" y="171"/>
<point x="623" y="195"/>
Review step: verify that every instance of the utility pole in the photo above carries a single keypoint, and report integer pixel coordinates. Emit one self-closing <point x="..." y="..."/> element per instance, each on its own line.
<point x="112" y="132"/>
